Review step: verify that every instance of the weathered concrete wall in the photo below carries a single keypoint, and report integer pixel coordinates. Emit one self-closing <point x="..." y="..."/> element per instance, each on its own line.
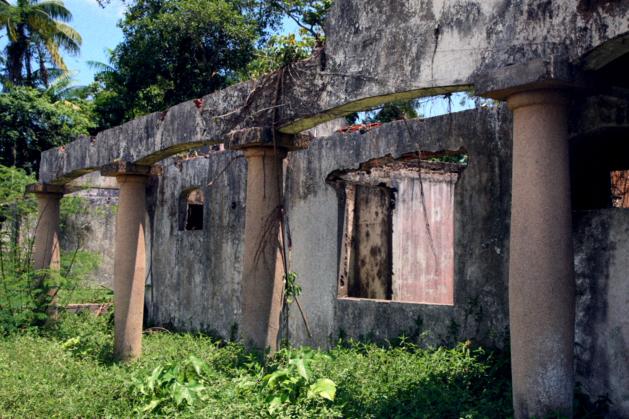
<point x="194" y="276"/>
<point x="93" y="229"/>
<point x="482" y="200"/>
<point x="602" y="325"/>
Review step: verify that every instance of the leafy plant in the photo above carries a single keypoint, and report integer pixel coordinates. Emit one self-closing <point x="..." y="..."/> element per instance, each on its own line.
<point x="174" y="384"/>
<point x="32" y="121"/>
<point x="309" y="15"/>
<point x="292" y="289"/>
<point x="292" y="381"/>
<point x="70" y="377"/>
<point x="280" y="51"/>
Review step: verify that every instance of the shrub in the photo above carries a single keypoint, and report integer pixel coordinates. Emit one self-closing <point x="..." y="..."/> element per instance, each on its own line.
<point x="26" y="294"/>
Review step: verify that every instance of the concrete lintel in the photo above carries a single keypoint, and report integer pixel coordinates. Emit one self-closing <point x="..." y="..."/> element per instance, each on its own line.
<point x="385" y="166"/>
<point x="46" y="188"/>
<point x="125" y="168"/>
<point x="532" y="75"/>
<point x="263" y="137"/>
<point x="596" y="113"/>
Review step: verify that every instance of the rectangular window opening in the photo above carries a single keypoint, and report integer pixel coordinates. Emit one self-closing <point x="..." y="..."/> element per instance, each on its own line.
<point x="194" y="218"/>
<point x="191" y="209"/>
<point x="397" y="238"/>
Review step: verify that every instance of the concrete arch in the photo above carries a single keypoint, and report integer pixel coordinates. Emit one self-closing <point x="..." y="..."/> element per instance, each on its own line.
<point x="387" y="51"/>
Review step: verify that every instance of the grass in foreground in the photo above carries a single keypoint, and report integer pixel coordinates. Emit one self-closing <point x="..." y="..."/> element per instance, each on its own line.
<point x="68" y="372"/>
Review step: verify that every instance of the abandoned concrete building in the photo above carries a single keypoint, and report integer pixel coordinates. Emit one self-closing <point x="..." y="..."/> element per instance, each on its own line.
<point x="517" y="239"/>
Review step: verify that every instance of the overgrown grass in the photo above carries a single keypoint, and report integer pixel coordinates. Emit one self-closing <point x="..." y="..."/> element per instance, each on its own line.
<point x="85" y="294"/>
<point x="68" y="372"/>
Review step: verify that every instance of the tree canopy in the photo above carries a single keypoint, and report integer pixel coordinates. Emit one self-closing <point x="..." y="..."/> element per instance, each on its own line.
<point x="32" y="121"/>
<point x="37" y="32"/>
<point x="176" y="50"/>
<point x="172" y="51"/>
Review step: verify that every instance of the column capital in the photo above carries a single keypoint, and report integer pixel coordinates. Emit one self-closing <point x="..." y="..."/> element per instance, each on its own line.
<point x="554" y="72"/>
<point x="46" y="189"/>
<point x="124" y="168"/>
<point x="264" y="137"/>
<point x="537" y="96"/>
<point x="263" y="152"/>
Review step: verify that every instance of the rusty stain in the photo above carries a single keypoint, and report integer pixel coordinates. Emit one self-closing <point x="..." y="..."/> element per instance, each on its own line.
<point x="620" y="188"/>
<point x="419" y="275"/>
<point x="399" y="228"/>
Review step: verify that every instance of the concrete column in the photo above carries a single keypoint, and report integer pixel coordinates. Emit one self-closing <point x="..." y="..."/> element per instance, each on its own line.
<point x="262" y="282"/>
<point x="46" y="252"/>
<point x="46" y="247"/>
<point x="541" y="279"/>
<point x="129" y="267"/>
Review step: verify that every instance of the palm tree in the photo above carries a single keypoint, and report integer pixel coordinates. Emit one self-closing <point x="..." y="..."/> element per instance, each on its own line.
<point x="37" y="31"/>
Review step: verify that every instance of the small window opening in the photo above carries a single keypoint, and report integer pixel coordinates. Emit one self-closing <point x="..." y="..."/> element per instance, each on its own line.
<point x="620" y="188"/>
<point x="397" y="233"/>
<point x="191" y="210"/>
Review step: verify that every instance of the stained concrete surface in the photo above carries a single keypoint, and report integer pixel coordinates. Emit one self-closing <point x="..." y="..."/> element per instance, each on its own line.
<point x="194" y="276"/>
<point x="482" y="199"/>
<point x="93" y="230"/>
<point x="601" y="243"/>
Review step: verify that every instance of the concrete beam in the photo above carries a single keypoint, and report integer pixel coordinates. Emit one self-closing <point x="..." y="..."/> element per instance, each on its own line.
<point x="442" y="47"/>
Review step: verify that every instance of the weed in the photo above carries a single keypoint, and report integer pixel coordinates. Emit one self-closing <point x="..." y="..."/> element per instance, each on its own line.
<point x="67" y="371"/>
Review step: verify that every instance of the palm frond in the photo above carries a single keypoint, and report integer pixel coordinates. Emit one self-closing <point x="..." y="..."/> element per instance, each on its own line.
<point x="68" y="37"/>
<point x="100" y="67"/>
<point x="55" y="55"/>
<point x="55" y="9"/>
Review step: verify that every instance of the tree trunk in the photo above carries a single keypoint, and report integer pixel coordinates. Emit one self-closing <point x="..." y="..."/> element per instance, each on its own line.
<point x="16" y="50"/>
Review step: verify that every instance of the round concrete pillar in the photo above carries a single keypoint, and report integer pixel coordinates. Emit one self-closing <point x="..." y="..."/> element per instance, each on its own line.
<point x="129" y="267"/>
<point x="46" y="252"/>
<point x="541" y="278"/>
<point x="262" y="280"/>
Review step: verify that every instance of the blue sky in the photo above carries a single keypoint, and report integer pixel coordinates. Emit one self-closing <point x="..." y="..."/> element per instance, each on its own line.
<point x="98" y="28"/>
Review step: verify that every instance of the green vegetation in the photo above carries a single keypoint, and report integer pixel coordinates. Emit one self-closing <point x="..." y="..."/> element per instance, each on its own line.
<point x="67" y="371"/>
<point x="32" y="121"/>
<point x="26" y="294"/>
<point x="37" y="32"/>
<point x="85" y="294"/>
<point x="176" y="50"/>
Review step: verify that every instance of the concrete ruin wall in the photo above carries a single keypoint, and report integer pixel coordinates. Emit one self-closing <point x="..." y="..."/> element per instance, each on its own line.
<point x="194" y="280"/>
<point x="376" y="52"/>
<point x="194" y="276"/>
<point x="93" y="231"/>
<point x="482" y="201"/>
<point x="382" y="51"/>
<point x="602" y="327"/>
